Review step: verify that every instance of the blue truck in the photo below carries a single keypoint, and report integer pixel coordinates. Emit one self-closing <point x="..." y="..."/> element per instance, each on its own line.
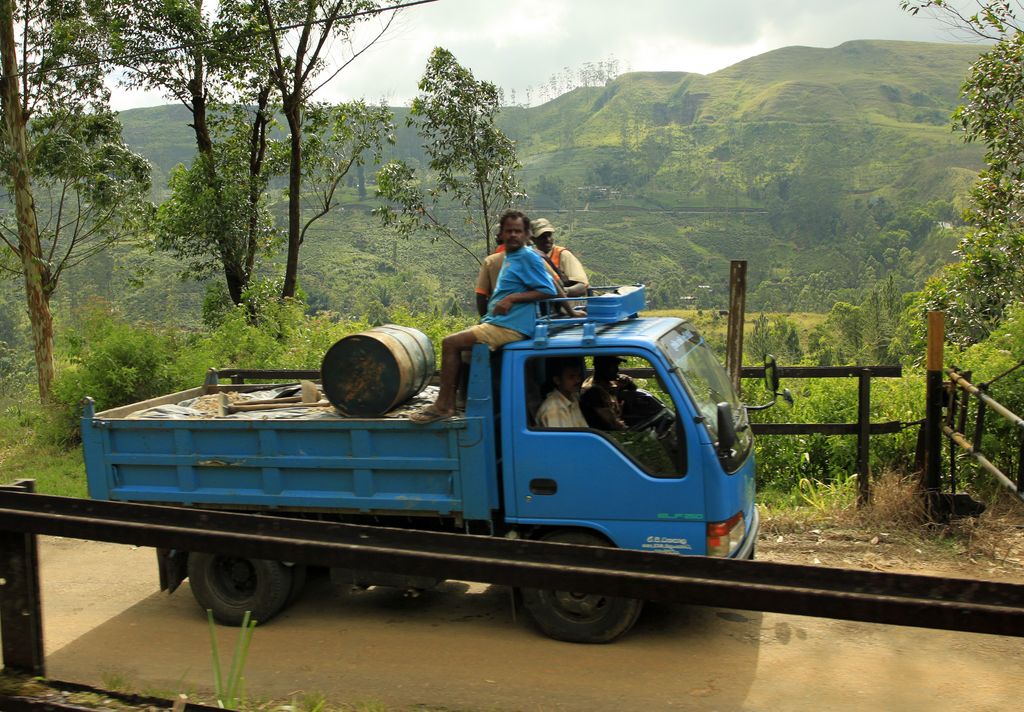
<point x="682" y="488"/>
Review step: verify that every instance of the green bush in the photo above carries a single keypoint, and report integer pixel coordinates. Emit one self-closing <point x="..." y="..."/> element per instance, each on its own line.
<point x="112" y="362"/>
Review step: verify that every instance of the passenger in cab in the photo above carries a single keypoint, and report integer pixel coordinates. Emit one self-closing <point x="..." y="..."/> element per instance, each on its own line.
<point x="561" y="409"/>
<point x="511" y="315"/>
<point x="602" y="394"/>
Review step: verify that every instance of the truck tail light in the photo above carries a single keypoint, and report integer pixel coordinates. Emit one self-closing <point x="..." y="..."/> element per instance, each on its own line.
<point x="725" y="536"/>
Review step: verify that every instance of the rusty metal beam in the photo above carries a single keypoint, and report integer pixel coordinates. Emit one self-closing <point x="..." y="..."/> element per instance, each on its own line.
<point x="923" y="601"/>
<point x="21" y="620"/>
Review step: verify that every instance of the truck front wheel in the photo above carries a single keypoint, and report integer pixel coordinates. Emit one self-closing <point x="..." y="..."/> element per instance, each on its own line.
<point x="578" y="617"/>
<point x="230" y="585"/>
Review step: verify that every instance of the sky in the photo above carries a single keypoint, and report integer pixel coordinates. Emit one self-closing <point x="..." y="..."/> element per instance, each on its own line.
<point x="520" y="43"/>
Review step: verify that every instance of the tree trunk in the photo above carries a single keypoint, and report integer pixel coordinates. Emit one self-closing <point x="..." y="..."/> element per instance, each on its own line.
<point x="292" y="110"/>
<point x="34" y="267"/>
<point x="257" y="154"/>
<point x="197" y="88"/>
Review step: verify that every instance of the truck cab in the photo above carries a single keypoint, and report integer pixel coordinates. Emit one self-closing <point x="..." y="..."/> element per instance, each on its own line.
<point x="676" y="491"/>
<point x="679" y="481"/>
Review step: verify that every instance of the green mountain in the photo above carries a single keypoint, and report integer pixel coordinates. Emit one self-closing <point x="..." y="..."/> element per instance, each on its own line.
<point x="826" y="169"/>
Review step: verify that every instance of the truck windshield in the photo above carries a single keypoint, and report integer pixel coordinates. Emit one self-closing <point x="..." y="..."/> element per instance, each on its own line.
<point x="703" y="377"/>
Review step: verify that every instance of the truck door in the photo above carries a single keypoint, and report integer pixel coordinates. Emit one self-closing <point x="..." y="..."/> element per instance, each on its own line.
<point x="637" y="480"/>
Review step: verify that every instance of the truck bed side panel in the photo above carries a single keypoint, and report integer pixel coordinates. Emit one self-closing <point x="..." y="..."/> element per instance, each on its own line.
<point x="347" y="465"/>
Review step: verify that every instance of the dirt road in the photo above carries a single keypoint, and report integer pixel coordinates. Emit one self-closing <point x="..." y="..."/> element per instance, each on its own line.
<point x="459" y="648"/>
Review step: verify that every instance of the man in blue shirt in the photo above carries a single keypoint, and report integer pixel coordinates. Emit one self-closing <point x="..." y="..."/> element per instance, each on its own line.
<point x="511" y="315"/>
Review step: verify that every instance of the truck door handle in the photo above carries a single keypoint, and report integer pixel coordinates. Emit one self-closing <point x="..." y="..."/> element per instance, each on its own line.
<point x="543" y="485"/>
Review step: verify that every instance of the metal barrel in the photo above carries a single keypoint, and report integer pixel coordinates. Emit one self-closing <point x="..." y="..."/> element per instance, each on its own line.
<point x="369" y="373"/>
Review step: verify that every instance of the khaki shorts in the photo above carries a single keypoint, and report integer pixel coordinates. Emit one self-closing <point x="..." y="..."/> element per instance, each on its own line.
<point x="495" y="336"/>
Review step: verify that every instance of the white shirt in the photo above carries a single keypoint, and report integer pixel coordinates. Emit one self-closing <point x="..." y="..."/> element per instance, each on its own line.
<point x="557" y="411"/>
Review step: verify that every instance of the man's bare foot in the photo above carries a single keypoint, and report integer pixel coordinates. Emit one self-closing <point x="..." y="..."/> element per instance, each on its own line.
<point x="429" y="415"/>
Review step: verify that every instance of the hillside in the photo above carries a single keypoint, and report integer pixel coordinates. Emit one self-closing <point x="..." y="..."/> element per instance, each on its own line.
<point x="826" y="169"/>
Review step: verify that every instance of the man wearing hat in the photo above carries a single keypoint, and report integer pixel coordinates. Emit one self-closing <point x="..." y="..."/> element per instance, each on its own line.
<point x="564" y="262"/>
<point x="490" y="268"/>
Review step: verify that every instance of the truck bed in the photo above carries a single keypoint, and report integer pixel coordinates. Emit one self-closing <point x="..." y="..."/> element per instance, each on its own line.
<point x="324" y="463"/>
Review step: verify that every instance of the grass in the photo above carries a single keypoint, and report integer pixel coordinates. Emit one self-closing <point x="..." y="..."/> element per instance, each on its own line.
<point x="830" y="527"/>
<point x="38" y="689"/>
<point x="25" y="454"/>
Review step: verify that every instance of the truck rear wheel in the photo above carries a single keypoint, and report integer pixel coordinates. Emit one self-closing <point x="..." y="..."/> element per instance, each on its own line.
<point x="230" y="585"/>
<point x="578" y="617"/>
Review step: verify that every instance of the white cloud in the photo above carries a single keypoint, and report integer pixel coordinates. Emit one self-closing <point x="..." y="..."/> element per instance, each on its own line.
<point x="522" y="43"/>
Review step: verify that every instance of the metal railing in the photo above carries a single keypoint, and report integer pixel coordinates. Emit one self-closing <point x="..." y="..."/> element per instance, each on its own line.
<point x="870" y="596"/>
<point x="961" y="392"/>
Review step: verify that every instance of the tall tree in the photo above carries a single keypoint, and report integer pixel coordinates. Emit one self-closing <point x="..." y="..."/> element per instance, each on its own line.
<point x="216" y="219"/>
<point x="339" y="138"/>
<point x="472" y="163"/>
<point x="51" y="68"/>
<point x="976" y="291"/>
<point x="212" y="58"/>
<point x="304" y="35"/>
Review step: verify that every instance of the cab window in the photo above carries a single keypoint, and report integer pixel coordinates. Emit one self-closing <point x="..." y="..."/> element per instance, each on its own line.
<point x="620" y="397"/>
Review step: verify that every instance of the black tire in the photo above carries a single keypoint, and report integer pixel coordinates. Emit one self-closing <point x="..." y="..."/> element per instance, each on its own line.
<point x="578" y="617"/>
<point x="230" y="585"/>
<point x="299" y="576"/>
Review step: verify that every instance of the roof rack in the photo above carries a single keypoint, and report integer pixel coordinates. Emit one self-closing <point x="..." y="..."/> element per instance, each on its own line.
<point x="604" y="305"/>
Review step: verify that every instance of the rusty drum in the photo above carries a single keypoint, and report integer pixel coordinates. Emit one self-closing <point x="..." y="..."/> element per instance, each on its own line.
<point x="369" y="373"/>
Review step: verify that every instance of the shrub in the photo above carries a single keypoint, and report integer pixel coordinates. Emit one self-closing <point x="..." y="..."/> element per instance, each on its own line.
<point x="785" y="460"/>
<point x="112" y="362"/>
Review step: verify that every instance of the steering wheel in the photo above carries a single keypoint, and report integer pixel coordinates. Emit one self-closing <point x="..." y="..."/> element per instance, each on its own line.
<point x="651" y="421"/>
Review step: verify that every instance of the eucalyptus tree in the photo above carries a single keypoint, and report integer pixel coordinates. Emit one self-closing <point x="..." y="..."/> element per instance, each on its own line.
<point x="209" y="57"/>
<point x="311" y="42"/>
<point x="976" y="291"/>
<point x="472" y="163"/>
<point x="74" y="184"/>
<point x="338" y="138"/>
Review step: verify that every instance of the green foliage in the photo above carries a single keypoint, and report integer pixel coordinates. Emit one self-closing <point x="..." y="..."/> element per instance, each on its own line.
<point x="27" y="441"/>
<point x="338" y="138"/>
<point x="870" y="333"/>
<point x="778" y="338"/>
<point x="991" y="359"/>
<point x="827" y="496"/>
<point x="472" y="162"/>
<point x="976" y="292"/>
<point x="230" y="688"/>
<point x="828" y="460"/>
<point x="113" y="363"/>
<point x="217" y="220"/>
<point x="62" y="50"/>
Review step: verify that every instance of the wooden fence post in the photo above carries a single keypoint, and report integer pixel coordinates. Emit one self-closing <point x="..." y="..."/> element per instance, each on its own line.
<point x="864" y="437"/>
<point x="734" y="335"/>
<point x="21" y="622"/>
<point x="933" y="405"/>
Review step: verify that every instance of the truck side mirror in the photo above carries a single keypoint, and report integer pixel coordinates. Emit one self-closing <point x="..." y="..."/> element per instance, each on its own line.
<point x="771" y="374"/>
<point x="726" y="428"/>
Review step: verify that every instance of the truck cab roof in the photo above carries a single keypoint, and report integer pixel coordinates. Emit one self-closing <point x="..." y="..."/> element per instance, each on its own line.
<point x="629" y="332"/>
<point x="611" y="320"/>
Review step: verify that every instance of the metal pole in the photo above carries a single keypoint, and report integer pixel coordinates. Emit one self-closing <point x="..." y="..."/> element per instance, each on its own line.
<point x="961" y="427"/>
<point x="734" y="335"/>
<point x="21" y="621"/>
<point x="933" y="404"/>
<point x="864" y="437"/>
